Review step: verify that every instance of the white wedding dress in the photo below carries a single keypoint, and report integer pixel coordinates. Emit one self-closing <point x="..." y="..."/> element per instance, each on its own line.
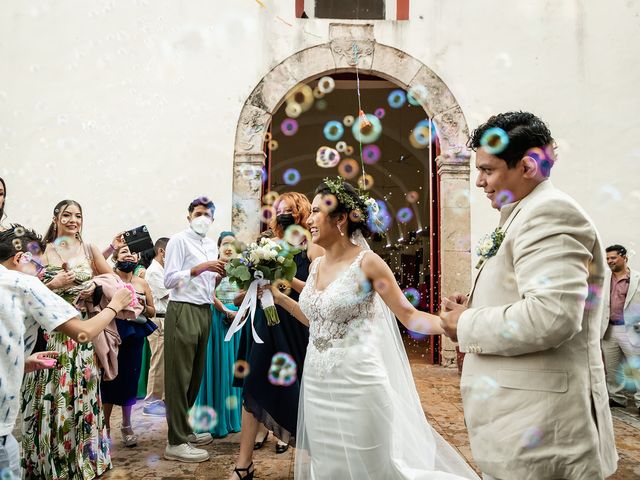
<point x="360" y="416"/>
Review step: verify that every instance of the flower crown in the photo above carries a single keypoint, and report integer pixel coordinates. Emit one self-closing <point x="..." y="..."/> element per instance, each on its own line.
<point x="370" y="205"/>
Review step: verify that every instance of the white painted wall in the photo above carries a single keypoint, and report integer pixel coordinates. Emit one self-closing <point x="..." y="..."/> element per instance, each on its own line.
<point x="130" y="107"/>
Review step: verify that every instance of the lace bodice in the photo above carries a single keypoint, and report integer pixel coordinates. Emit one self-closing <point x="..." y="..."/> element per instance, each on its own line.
<point x="338" y="316"/>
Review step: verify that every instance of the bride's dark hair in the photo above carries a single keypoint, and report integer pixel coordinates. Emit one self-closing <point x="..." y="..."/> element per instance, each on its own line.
<point x="349" y="202"/>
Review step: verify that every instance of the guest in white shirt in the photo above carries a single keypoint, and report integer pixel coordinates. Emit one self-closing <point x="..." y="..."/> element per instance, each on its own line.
<point x="191" y="272"/>
<point x="25" y="304"/>
<point x="154" y="401"/>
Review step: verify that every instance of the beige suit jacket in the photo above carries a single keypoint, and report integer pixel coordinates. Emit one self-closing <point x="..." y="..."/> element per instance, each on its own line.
<point x="533" y="386"/>
<point x="631" y="307"/>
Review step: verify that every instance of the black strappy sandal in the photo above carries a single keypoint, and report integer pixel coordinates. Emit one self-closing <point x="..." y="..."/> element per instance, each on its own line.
<point x="248" y="475"/>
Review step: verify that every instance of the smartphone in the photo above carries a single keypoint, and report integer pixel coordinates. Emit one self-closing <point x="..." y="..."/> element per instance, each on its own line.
<point x="138" y="239"/>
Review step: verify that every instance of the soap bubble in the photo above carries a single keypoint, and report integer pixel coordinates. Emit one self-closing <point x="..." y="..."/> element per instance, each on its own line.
<point x="283" y="370"/>
<point x="397" y="98"/>
<point x="326" y="84"/>
<point x="412" y="295"/>
<point x="348" y="120"/>
<point x="297" y="236"/>
<point x="412" y="196"/>
<point x="504" y="197"/>
<point x="302" y="95"/>
<point x="267" y="212"/>
<point x="371" y="154"/>
<point x="367" y="128"/>
<point x="329" y="203"/>
<point x="270" y="197"/>
<point x="379" y="112"/>
<point x="423" y="133"/>
<point x="349" y="150"/>
<point x="484" y="387"/>
<point x="327" y="157"/>
<point x="365" y="182"/>
<point x="231" y="402"/>
<point x="417" y="94"/>
<point x="494" y="140"/>
<point x="289" y="127"/>
<point x="341" y="146"/>
<point x="293" y="110"/>
<point x="291" y="176"/>
<point x="282" y="285"/>
<point x="531" y="437"/>
<point x="404" y="215"/>
<point x="333" y="130"/>
<point x="321" y="104"/>
<point x="202" y="418"/>
<point x="348" y="168"/>
<point x="241" y="369"/>
<point x="273" y="145"/>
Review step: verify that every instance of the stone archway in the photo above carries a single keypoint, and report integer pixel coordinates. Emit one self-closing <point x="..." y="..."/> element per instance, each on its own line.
<point x="399" y="68"/>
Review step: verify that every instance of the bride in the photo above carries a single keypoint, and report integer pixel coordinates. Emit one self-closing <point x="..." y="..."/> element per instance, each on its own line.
<point x="360" y="416"/>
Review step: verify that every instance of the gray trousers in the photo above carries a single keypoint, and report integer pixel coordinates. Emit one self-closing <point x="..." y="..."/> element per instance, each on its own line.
<point x="186" y="335"/>
<point x="618" y="354"/>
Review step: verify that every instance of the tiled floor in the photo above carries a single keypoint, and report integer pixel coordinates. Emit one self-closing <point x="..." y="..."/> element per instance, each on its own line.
<point x="438" y="389"/>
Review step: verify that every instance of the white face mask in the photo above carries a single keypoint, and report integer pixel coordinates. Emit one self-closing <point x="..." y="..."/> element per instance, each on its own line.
<point x="201" y="225"/>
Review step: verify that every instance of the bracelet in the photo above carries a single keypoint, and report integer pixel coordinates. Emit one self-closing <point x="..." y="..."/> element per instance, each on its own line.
<point x="113" y="310"/>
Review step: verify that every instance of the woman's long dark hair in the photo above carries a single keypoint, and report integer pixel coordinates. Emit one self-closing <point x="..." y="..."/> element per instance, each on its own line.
<point x="4" y="186"/>
<point x="52" y="233"/>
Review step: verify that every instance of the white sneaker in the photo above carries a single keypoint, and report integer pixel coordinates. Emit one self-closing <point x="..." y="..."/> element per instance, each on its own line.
<point x="200" y="438"/>
<point x="185" y="453"/>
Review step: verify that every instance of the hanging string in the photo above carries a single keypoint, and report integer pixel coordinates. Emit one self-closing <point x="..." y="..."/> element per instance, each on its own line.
<point x="360" y="111"/>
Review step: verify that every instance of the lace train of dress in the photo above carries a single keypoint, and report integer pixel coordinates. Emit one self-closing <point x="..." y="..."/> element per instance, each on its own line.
<point x="360" y="416"/>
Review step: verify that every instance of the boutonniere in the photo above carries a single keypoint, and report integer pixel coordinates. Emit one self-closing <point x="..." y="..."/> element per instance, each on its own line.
<point x="489" y="245"/>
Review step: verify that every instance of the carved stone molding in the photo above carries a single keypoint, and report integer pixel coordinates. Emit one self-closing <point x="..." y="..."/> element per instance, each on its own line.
<point x="398" y="67"/>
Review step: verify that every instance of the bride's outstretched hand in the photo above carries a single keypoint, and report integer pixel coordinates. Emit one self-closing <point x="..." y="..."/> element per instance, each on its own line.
<point x="449" y="316"/>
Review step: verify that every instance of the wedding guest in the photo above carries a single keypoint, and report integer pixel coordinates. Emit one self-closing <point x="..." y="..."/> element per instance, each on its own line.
<point x="621" y="324"/>
<point x="275" y="406"/>
<point x="70" y="440"/>
<point x="533" y="382"/>
<point x="122" y="390"/>
<point x="154" y="400"/>
<point x="26" y="303"/>
<point x="216" y="390"/>
<point x="3" y="197"/>
<point x="192" y="271"/>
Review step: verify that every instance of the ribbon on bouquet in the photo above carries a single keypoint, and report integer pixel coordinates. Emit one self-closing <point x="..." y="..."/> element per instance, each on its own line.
<point x="249" y="305"/>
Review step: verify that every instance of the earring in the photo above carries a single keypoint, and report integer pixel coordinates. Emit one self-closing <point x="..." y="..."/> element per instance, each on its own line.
<point x="340" y="230"/>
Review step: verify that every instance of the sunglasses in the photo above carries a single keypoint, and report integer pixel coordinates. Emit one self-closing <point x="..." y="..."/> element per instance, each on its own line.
<point x="29" y="258"/>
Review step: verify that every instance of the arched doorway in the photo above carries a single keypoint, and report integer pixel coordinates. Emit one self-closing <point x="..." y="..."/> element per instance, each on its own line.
<point x="260" y="112"/>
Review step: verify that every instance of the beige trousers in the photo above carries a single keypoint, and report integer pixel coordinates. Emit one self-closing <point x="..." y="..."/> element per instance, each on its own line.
<point x="155" y="382"/>
<point x="620" y="358"/>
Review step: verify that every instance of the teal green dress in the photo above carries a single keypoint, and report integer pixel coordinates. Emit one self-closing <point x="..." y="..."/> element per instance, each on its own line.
<point x="216" y="389"/>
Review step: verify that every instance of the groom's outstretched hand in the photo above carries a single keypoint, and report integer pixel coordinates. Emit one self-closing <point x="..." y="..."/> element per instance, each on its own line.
<point x="452" y="308"/>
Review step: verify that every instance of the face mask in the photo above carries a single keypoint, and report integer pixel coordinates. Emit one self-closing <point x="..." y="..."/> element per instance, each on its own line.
<point x="126" y="267"/>
<point x="285" y="220"/>
<point x="201" y="225"/>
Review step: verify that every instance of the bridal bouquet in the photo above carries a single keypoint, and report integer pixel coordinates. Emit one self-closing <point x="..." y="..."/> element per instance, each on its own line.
<point x="259" y="264"/>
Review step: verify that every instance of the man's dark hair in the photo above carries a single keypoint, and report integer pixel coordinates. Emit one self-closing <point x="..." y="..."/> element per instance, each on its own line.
<point x="19" y="239"/>
<point x="160" y="243"/>
<point x="525" y="131"/>
<point x="202" y="201"/>
<point x="4" y="187"/>
<point x="617" y="248"/>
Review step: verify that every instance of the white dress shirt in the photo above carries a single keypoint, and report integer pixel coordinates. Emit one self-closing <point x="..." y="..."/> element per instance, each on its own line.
<point x="155" y="279"/>
<point x="25" y="303"/>
<point x="185" y="250"/>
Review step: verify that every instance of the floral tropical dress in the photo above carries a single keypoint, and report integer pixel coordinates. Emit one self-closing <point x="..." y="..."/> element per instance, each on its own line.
<point x="63" y="430"/>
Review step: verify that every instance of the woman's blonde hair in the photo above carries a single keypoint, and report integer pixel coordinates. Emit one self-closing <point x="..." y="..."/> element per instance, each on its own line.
<point x="300" y="208"/>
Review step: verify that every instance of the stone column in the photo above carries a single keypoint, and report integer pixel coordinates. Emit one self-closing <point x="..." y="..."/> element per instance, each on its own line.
<point x="455" y="254"/>
<point x="247" y="185"/>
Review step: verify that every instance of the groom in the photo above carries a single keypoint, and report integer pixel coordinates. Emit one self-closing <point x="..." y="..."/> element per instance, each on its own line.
<point x="533" y="385"/>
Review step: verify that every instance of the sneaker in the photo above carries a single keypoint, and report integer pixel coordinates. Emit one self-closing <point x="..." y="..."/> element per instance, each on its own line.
<point x="185" y="453"/>
<point x="200" y="439"/>
<point x="155" y="409"/>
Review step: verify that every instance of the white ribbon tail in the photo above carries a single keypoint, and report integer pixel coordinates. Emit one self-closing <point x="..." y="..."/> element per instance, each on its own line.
<point x="248" y="306"/>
